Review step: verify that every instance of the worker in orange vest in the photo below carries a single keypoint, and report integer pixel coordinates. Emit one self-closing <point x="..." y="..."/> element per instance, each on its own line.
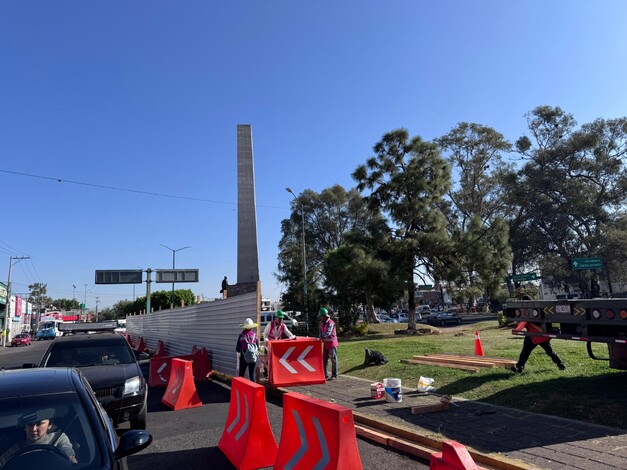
<point x="529" y="345"/>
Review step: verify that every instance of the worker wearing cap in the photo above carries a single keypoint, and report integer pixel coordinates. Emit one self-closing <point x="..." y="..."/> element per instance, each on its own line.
<point x="328" y="335"/>
<point x="277" y="329"/>
<point x="38" y="429"/>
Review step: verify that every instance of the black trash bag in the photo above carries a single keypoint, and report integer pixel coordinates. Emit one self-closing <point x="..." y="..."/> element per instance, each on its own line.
<point x="374" y="357"/>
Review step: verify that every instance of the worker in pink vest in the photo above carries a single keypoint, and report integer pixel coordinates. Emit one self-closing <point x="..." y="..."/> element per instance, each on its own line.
<point x="328" y="335"/>
<point x="276" y="329"/>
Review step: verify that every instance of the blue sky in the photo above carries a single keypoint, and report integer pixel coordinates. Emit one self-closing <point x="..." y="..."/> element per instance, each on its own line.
<point x="146" y="95"/>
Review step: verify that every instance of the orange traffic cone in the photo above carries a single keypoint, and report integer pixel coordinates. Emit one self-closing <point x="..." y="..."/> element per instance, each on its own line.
<point x="478" y="347"/>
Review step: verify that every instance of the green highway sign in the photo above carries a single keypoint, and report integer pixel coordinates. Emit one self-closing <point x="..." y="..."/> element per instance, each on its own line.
<point x="425" y="287"/>
<point x="524" y="277"/>
<point x="586" y="263"/>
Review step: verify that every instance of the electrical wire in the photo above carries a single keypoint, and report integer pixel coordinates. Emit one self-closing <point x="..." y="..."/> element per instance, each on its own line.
<point x="136" y="191"/>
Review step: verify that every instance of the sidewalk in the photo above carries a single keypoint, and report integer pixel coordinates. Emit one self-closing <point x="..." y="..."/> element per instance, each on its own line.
<point x="540" y="441"/>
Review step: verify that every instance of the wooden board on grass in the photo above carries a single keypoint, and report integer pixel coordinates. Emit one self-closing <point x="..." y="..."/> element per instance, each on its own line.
<point x="494" y="360"/>
<point x="440" y="364"/>
<point x="455" y="360"/>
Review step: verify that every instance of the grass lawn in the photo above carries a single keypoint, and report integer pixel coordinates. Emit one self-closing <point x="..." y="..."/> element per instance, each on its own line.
<point x="587" y="390"/>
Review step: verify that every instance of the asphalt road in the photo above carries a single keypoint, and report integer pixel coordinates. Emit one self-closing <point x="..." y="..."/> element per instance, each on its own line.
<point x="188" y="439"/>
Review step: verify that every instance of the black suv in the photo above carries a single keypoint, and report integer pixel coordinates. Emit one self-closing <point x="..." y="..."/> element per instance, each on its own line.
<point x="110" y="366"/>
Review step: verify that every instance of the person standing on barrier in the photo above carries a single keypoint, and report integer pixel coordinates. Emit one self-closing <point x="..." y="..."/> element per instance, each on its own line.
<point x="277" y="329"/>
<point x="328" y="335"/>
<point x="248" y="349"/>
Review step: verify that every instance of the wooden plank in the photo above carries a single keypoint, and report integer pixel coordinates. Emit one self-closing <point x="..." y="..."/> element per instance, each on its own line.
<point x="438" y="364"/>
<point x="494" y="360"/>
<point x="417" y="410"/>
<point x="447" y="360"/>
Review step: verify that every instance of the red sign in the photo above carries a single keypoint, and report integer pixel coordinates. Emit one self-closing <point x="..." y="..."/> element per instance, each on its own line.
<point x="295" y="362"/>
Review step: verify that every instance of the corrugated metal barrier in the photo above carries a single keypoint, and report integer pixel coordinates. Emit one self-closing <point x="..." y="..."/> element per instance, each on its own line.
<point x="212" y="325"/>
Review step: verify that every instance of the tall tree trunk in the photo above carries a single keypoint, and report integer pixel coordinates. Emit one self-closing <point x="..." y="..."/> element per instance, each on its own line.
<point x="370" y="316"/>
<point x="411" y="301"/>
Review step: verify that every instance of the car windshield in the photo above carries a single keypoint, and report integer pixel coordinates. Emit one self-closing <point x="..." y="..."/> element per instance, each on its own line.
<point x="62" y="428"/>
<point x="73" y="355"/>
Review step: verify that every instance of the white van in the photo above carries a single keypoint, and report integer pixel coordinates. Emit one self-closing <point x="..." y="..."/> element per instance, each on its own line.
<point x="267" y="317"/>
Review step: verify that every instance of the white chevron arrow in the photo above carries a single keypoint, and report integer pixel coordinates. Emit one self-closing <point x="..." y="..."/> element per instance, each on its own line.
<point x="325" y="458"/>
<point x="178" y="380"/>
<point x="283" y="360"/>
<point x="238" y="417"/>
<point x="301" y="360"/>
<point x="160" y="369"/>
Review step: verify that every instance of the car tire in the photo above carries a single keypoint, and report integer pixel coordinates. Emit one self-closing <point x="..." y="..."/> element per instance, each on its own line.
<point x="140" y="421"/>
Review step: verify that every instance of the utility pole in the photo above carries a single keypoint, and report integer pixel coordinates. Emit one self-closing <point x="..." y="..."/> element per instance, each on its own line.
<point x="97" y="301"/>
<point x="7" y="312"/>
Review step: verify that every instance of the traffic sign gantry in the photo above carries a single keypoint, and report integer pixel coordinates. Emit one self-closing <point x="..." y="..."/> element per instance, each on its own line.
<point x="119" y="276"/>
<point x="177" y="275"/>
<point x="524" y="277"/>
<point x="586" y="263"/>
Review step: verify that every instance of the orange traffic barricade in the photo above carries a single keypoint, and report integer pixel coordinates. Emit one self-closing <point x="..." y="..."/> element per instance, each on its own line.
<point x="454" y="456"/>
<point x="295" y="362"/>
<point x="316" y="434"/>
<point x="181" y="391"/>
<point x="159" y="371"/>
<point x="247" y="439"/>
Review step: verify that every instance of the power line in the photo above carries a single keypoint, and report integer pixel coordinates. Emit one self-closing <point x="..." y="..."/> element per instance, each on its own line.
<point x="136" y="191"/>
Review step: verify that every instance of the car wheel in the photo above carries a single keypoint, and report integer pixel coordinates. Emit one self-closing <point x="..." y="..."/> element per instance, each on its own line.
<point x="140" y="421"/>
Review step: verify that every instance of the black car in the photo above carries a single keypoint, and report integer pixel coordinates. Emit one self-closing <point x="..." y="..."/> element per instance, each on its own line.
<point x="66" y="426"/>
<point x="109" y="364"/>
<point x="444" y="318"/>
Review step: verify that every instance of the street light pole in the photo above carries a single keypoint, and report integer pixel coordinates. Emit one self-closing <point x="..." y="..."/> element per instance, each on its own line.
<point x="302" y="213"/>
<point x="173" y="265"/>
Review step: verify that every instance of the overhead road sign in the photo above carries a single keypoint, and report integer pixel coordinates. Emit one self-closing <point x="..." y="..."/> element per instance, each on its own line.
<point x="586" y="263"/>
<point x="119" y="276"/>
<point x="177" y="275"/>
<point x="524" y="277"/>
<point x="425" y="287"/>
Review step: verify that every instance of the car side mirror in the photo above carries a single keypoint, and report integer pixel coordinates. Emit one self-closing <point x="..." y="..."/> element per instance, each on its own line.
<point x="132" y="442"/>
<point x="140" y="356"/>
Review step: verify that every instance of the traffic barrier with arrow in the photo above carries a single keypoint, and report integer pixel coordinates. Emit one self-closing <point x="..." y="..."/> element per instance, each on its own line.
<point x="159" y="369"/>
<point x="247" y="439"/>
<point x="181" y="391"/>
<point x="454" y="456"/>
<point x="295" y="362"/>
<point x="316" y="434"/>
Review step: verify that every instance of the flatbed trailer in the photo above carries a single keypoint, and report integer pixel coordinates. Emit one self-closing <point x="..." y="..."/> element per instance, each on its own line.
<point x="598" y="320"/>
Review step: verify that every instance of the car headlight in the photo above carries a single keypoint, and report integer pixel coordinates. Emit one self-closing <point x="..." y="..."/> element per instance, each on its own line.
<point x="132" y="386"/>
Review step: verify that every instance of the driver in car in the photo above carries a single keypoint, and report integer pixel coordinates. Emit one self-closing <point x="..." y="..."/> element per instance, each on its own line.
<point x="38" y="428"/>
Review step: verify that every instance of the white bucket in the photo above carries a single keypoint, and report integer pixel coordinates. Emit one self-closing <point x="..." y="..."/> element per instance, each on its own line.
<point x="392" y="389"/>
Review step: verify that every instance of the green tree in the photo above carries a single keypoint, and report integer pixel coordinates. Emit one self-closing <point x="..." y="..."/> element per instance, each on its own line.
<point x="160" y="300"/>
<point x="568" y="199"/>
<point x="328" y="217"/>
<point x="407" y="179"/>
<point x="37" y="296"/>
<point x="361" y="272"/>
<point x="481" y="235"/>
<point x="66" y="304"/>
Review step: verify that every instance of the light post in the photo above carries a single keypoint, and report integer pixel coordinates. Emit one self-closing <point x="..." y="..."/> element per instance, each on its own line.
<point x="173" y="265"/>
<point x="302" y="213"/>
<point x="73" y="291"/>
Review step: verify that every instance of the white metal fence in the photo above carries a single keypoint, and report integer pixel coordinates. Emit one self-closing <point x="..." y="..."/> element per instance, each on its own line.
<point x="211" y="325"/>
